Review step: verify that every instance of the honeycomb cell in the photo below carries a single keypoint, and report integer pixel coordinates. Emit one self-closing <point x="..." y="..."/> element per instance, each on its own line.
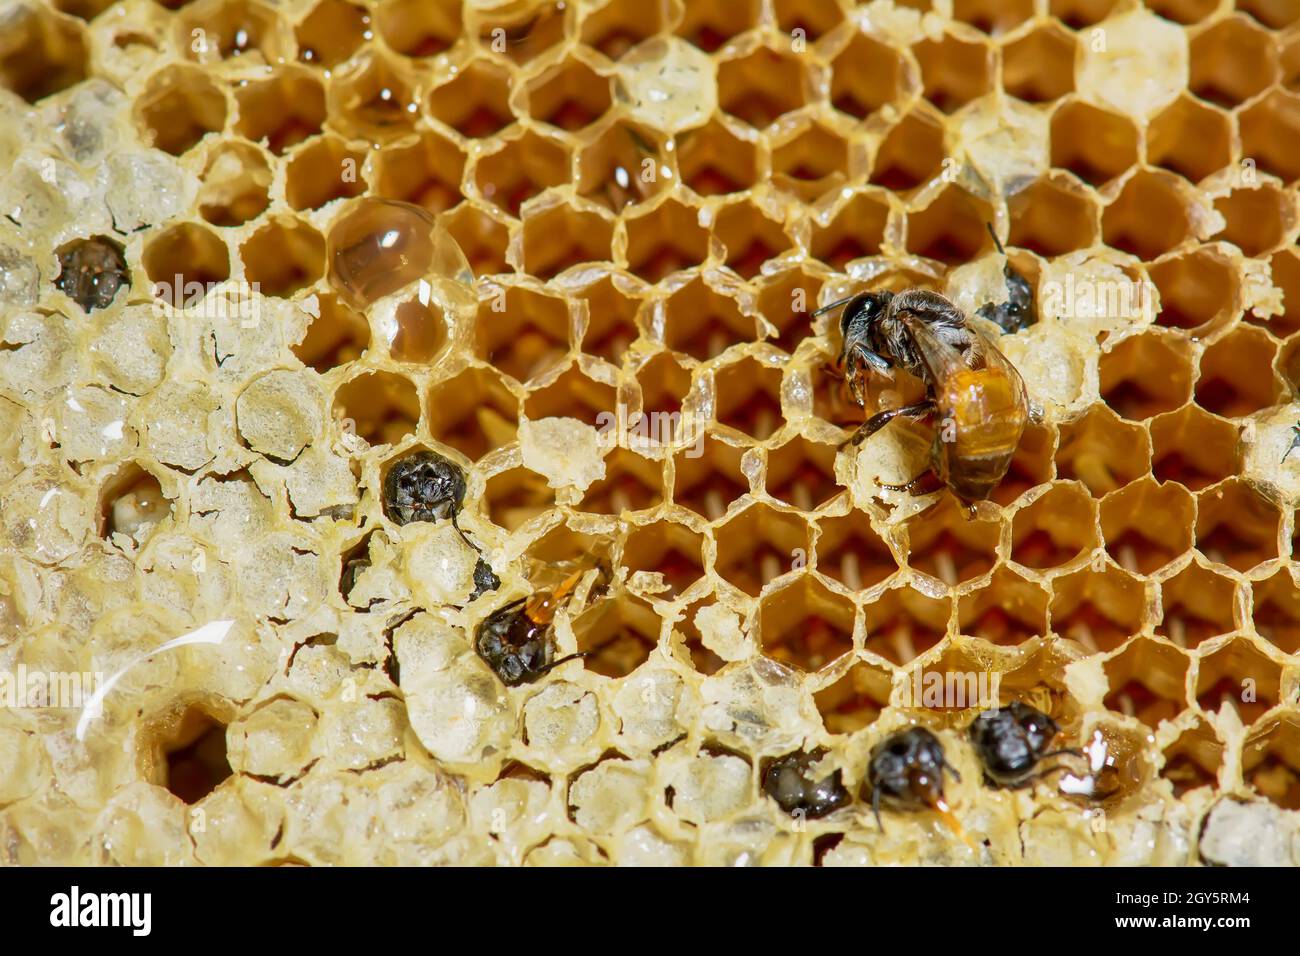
<point x="419" y="28"/>
<point x="622" y="166"/>
<point x="1055" y="529"/>
<point x="714" y="161"/>
<point x="664" y="385"/>
<point x="810" y="162"/>
<point x="1185" y="12"/>
<point x="709" y="24"/>
<point x="1103" y="451"/>
<point x="1257" y="219"/>
<point x="1038" y="67"/>
<point x="1031" y="465"/>
<point x="226" y="29"/>
<point x="283" y="110"/>
<point x="1147" y="681"/>
<point x="331" y="32"/>
<point x="1236" y="526"/>
<point x="851" y="552"/>
<point x="813" y="18"/>
<point x="523" y="167"/>
<point x="1274" y="14"/>
<point x="667" y="239"/>
<point x="383" y="407"/>
<point x="709" y="481"/>
<point x="426" y="173"/>
<point x="865" y="76"/>
<point x="475" y="101"/>
<point x="911" y="153"/>
<point x="855" y="231"/>
<point x="1097" y="608"/>
<point x="632" y="483"/>
<point x="1270" y="761"/>
<point x="517" y="496"/>
<point x="621" y="24"/>
<point x="856" y="699"/>
<point x="761" y="86"/>
<point x="1232" y="61"/>
<point x="131" y="503"/>
<point x="283" y="256"/>
<point x="1127" y="385"/>
<point x="1147" y="525"/>
<point x="1193" y="760"/>
<point x="618" y="635"/>
<point x="1148" y="218"/>
<point x="183" y="262"/>
<point x="946" y="544"/>
<point x="758" y="545"/>
<point x="569" y="96"/>
<point x="953" y="71"/>
<point x="561" y="237"/>
<point x="1285" y="266"/>
<point x="1270" y="134"/>
<point x="1276" y="614"/>
<point x="1052" y="217"/>
<point x="1077" y="14"/>
<point x="337" y="335"/>
<point x="1094" y="144"/>
<point x="805" y="625"/>
<point x="235" y="185"/>
<point x="1193" y="448"/>
<point x="179" y="106"/>
<point x="801" y="473"/>
<point x="1008" y="611"/>
<point x="1197" y="604"/>
<point x="191" y="753"/>
<point x="474" y="412"/>
<point x="1238" y="672"/>
<point x="751" y="239"/>
<point x="527" y="34"/>
<point x="1191" y="139"/>
<point x="785" y="299"/>
<point x="322" y="171"/>
<point x="673" y="550"/>
<point x="993" y="17"/>
<point x="572" y="395"/>
<point x="611" y="321"/>
<point x="1198" y="290"/>
<point x="1232" y="381"/>
<point x="748" y="398"/>
<point x="951" y="229"/>
<point x="903" y="623"/>
<point x="522" y="332"/>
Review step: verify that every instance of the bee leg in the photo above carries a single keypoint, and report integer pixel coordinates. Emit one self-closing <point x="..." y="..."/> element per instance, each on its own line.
<point x="875" y="808"/>
<point x="462" y="534"/>
<point x="881" y="419"/>
<point x="564" y="660"/>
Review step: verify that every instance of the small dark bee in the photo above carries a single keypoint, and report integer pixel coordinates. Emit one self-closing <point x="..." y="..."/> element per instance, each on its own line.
<point x="1011" y="741"/>
<point x="485" y="579"/>
<point x="905" y="772"/>
<point x="91" y="271"/>
<point x="423" y="486"/>
<point x="1018" y="311"/>
<point x="788" y="781"/>
<point x="516" y="640"/>
<point x="974" y="392"/>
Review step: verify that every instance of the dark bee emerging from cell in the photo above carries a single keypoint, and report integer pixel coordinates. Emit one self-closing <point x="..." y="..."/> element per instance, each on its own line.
<point x="423" y="486"/>
<point x="1018" y="311"/>
<point x="792" y="782"/>
<point x="485" y="579"/>
<point x="975" y="398"/>
<point x="1011" y="741"/>
<point x="91" y="271"/>
<point x="905" y="772"/>
<point x="517" y="641"/>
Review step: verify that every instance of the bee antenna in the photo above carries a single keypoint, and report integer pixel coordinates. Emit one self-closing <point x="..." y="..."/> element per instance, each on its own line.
<point x="564" y="660"/>
<point x="462" y="534"/>
<point x="996" y="241"/>
<point x="831" y="306"/>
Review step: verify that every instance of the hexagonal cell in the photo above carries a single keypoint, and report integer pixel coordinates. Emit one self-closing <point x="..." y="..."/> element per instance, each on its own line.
<point x="473" y="413"/>
<point x="523" y="33"/>
<point x="419" y="28"/>
<point x="951" y="229"/>
<point x="618" y="635"/>
<point x="1008" y="611"/>
<point x="191" y="756"/>
<point x="427" y="172"/>
<point x="1232" y="61"/>
<point x="865" y="75"/>
<point x="481" y="237"/>
<point x="802" y="473"/>
<point x="563" y="546"/>
<point x="911" y="153"/>
<point x="1277" y="611"/>
<point x="283" y="256"/>
<point x="759" y="544"/>
<point x="1183" y="11"/>
<point x="1191" y="139"/>
<point x="664" y="385"/>
<point x="1102" y="451"/>
<point x="622" y="166"/>
<point x="516" y="496"/>
<point x="522" y="332"/>
<point x="850" y="551"/>
<point x="1039" y="67"/>
<point x="1238" y="673"/>
<point x="1271" y="761"/>
<point x="1198" y="290"/>
<point x="667" y="239"/>
<point x="709" y="24"/>
<point x="130" y="502"/>
<point x="1196" y="604"/>
<point x="856" y="699"/>
<point x="953" y="71"/>
<point x="384" y="407"/>
<point x="1052" y="217"/>
<point x="1056" y="529"/>
<point x="1127" y="384"/>
<point x="1099" y="610"/>
<point x="748" y="398"/>
<point x="611" y="321"/>
<point x="993" y="17"/>
<point x="283" y="110"/>
<point x="331" y="32"/>
<point x="1285" y="266"/>
<point x="1147" y="525"/>
<point x="179" y="106"/>
<point x="856" y="231"/>
<point x="1193" y="760"/>
<point x="322" y="171"/>
<point x="1094" y="144"/>
<point x="621" y="24"/>
<point x="231" y="28"/>
<point x="561" y="237"/>
<point x="1270" y="135"/>
<point x="903" y="624"/>
<point x="671" y="549"/>
<point x="631" y="483"/>
<point x="786" y="300"/>
<point x="570" y="96"/>
<point x="1077" y="14"/>
<point x="762" y="85"/>
<point x="811" y="162"/>
<point x="1233" y="382"/>
<point x="708" y="482"/>
<point x="475" y="102"/>
<point x="1236" y="525"/>
<point x="44" y="53"/>
<point x="1147" y="681"/>
<point x="235" y="185"/>
<point x="1274" y="14"/>
<point x="336" y="336"/>
<point x="1257" y="219"/>
<point x="1194" y="448"/>
<point x="713" y="161"/>
<point x="520" y="169"/>
<point x="418" y="332"/>
<point x="805" y="625"/>
<point x="813" y="17"/>
<point x="749" y="237"/>
<point x="703" y="323"/>
<point x="1148" y="218"/>
<point x="183" y="258"/>
<point x="946" y="544"/>
<point x="572" y="395"/>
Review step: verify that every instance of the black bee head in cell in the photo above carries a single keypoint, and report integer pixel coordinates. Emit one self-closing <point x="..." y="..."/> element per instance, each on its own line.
<point x="485" y="579"/>
<point x="792" y="781"/>
<point x="906" y="769"/>
<point x="423" y="486"/>
<point x="1011" y="740"/>
<point x="91" y="271"/>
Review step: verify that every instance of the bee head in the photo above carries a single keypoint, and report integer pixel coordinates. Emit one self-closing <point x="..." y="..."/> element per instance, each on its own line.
<point x="863" y="311"/>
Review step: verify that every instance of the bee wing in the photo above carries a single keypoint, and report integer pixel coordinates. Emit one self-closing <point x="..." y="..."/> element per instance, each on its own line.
<point x="943" y="360"/>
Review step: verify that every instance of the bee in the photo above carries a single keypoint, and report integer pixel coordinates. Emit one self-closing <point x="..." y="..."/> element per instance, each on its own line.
<point x="1295" y="443"/>
<point x="905" y="771"/>
<point x="788" y="780"/>
<point x="1011" y="741"/>
<point x="423" y="486"/>
<point x="973" y="391"/>
<point x="1018" y="311"/>
<point x="91" y="271"/>
<point x="516" y="640"/>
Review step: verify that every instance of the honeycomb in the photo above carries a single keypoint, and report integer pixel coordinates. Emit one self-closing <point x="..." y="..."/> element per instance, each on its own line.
<point x="255" y="252"/>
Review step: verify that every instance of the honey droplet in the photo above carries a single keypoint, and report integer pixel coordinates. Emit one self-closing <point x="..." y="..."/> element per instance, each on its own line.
<point x="419" y="332"/>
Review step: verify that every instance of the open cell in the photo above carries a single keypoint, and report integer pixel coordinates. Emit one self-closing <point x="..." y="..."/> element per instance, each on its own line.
<point x="748" y="398"/>
<point x="851" y="552"/>
<point x="1194" y="448"/>
<point x="622" y="166"/>
<point x="1147" y="525"/>
<point x="667" y="239"/>
<point x="322" y="171"/>
<point x="1102" y="450"/>
<point x="517" y="496"/>
<point x="702" y="322"/>
<point x="1055" y="529"/>
<point x="283" y="256"/>
<point x="1097" y="609"/>
<point x="669" y="549"/>
<point x="902" y="624"/>
<point x="993" y="17"/>
<point x="951" y="229"/>
<point x="474" y="412"/>
<point x="1196" y="604"/>
<point x="523" y="33"/>
<point x="331" y="32"/>
<point x="1198" y="290"/>
<point x="572" y="395"/>
<point x="1239" y="674"/>
<point x="953" y="71"/>
<point x="336" y="336"/>
<point x="179" y="106"/>
<point x="621" y="24"/>
<point x="1193" y="759"/>
<point x="758" y="545"/>
<point x="1276" y="614"/>
<point x="813" y="17"/>
<point x="787" y="300"/>
<point x="1147" y="681"/>
<point x="419" y="28"/>
<point x="911" y="153"/>
<point x="1094" y="144"/>
<point x="750" y="237"/>
<point x="664" y="385"/>
<point x="1231" y="62"/>
<point x="1052" y="217"/>
<point x="561" y="237"/>
<point x="184" y="261"/>
<point x="802" y="473"/>
<point x="235" y="185"/>
<point x="44" y="53"/>
<point x="617" y="635"/>
<point x="481" y="236"/>
<point x="522" y="332"/>
<point x="1191" y="139"/>
<point x="946" y="544"/>
<point x="805" y="625"/>
<point x="856" y="699"/>
<point x="865" y="76"/>
<point x="1271" y="761"/>
<point x="569" y="96"/>
<point x="1148" y="218"/>
<point x="631" y="483"/>
<point x="708" y="481"/>
<point x="283" y="110"/>
<point x="1039" y="67"/>
<point x="1256" y="219"/>
<point x="1270" y="134"/>
<point x="762" y="86"/>
<point x="1237" y="377"/>
<point x="709" y="24"/>
<point x="476" y="101"/>
<point x="714" y="161"/>
<point x="1077" y="14"/>
<point x="383" y="407"/>
<point x="520" y="169"/>
<point x="855" y="232"/>
<point x="1031" y="465"/>
<point x="1237" y="526"/>
<point x="427" y="172"/>
<point x="811" y="163"/>
<point x="1008" y="611"/>
<point x="1127" y="384"/>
